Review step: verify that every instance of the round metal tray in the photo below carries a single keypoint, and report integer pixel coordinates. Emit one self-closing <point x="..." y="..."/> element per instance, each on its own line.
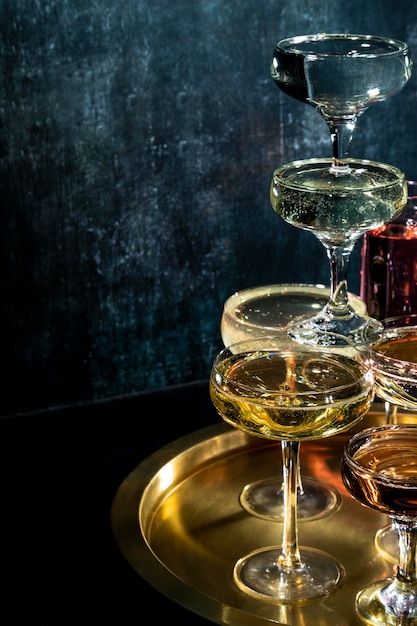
<point x="178" y="521"/>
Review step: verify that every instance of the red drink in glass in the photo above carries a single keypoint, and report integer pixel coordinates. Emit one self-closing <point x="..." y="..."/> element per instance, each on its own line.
<point x="388" y="276"/>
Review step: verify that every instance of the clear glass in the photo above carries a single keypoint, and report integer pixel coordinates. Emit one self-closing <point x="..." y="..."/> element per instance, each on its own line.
<point x="395" y="371"/>
<point x="338" y="210"/>
<point x="379" y="470"/>
<point x="394" y="358"/>
<point x="254" y="311"/>
<point x="290" y="394"/>
<point x="341" y="75"/>
<point x="250" y="313"/>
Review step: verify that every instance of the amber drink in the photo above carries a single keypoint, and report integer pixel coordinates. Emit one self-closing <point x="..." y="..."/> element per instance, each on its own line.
<point x="379" y="469"/>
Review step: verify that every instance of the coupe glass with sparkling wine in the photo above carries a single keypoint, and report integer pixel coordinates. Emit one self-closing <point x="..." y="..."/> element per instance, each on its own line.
<point x="379" y="469"/>
<point x="338" y="209"/>
<point x="339" y="199"/>
<point x="290" y="393"/>
<point x="250" y="313"/>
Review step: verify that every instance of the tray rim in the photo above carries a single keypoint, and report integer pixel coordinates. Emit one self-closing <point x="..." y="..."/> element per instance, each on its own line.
<point x="125" y="523"/>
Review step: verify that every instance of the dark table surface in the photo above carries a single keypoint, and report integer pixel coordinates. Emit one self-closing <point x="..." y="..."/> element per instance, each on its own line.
<point x="60" y="471"/>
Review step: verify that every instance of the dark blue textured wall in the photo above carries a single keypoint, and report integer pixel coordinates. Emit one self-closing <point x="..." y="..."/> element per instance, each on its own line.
<point x="137" y="145"/>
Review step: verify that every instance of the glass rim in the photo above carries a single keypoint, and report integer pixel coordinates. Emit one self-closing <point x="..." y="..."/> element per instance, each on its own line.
<point x="272" y="286"/>
<point x="365" y="434"/>
<point x="281" y="173"/>
<point x="380" y="357"/>
<point x="255" y="345"/>
<point x="270" y="291"/>
<point x="289" y="44"/>
<point x="279" y="289"/>
<point x="394" y="318"/>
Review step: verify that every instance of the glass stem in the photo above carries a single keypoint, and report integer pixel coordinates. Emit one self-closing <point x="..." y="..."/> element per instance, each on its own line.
<point x="300" y="488"/>
<point x="290" y="555"/>
<point x="399" y="596"/>
<point x="390" y="413"/>
<point x="339" y="263"/>
<point x="391" y="418"/>
<point x="407" y="534"/>
<point x="341" y="132"/>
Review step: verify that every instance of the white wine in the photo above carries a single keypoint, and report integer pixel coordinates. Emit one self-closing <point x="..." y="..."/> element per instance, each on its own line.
<point x="291" y="394"/>
<point x="338" y="209"/>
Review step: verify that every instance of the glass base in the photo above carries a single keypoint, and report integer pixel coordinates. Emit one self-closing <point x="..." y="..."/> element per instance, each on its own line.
<point x="386" y="543"/>
<point x="260" y="575"/>
<point x="372" y="608"/>
<point x="329" y="330"/>
<point x="265" y="499"/>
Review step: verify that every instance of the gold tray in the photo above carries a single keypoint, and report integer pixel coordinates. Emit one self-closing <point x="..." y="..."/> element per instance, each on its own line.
<point x="178" y="521"/>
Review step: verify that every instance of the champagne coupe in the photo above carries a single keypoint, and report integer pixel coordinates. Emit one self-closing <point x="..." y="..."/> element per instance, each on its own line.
<point x="379" y="469"/>
<point x="394" y="358"/>
<point x="341" y="75"/>
<point x="250" y="313"/>
<point x="290" y="393"/>
<point x="338" y="209"/>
